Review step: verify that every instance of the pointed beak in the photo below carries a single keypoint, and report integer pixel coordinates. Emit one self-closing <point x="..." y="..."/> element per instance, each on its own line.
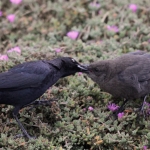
<point x="83" y="68"/>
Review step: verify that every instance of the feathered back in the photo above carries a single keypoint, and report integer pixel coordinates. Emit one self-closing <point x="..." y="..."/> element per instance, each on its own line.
<point x="57" y="63"/>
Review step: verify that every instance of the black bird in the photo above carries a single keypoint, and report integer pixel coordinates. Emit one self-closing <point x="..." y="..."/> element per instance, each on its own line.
<point x="127" y="76"/>
<point x="24" y="83"/>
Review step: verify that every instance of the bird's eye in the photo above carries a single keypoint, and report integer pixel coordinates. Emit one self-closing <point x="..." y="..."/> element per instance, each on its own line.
<point x="96" y="69"/>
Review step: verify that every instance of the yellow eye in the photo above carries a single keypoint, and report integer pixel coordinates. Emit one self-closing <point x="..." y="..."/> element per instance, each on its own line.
<point x="73" y="60"/>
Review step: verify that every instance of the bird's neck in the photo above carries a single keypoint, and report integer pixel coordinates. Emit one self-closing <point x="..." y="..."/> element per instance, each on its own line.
<point x="110" y="71"/>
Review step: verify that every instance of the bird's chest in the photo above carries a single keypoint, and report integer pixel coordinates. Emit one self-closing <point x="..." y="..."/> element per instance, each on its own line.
<point x="119" y="89"/>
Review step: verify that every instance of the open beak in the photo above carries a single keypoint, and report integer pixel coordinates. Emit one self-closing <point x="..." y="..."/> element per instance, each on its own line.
<point x="83" y="68"/>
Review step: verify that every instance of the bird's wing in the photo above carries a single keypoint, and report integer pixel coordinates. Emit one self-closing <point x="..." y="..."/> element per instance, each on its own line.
<point x="138" y="52"/>
<point x="137" y="74"/>
<point x="24" y="75"/>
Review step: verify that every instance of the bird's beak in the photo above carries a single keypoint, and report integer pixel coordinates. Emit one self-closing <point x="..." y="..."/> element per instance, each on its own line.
<point x="83" y="68"/>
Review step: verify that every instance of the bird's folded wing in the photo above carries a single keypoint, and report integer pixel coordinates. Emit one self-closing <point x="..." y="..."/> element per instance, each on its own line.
<point x="19" y="80"/>
<point x="138" y="52"/>
<point x="136" y="75"/>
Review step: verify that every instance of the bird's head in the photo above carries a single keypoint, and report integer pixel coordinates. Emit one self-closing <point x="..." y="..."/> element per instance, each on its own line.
<point x="68" y="65"/>
<point x="97" y="71"/>
<point x="72" y="66"/>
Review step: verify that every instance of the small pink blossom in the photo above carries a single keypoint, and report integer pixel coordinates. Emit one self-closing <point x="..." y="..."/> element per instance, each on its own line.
<point x="147" y="104"/>
<point x="1" y="13"/>
<point x="17" y="2"/>
<point x="90" y="108"/>
<point x="73" y="34"/>
<point x="11" y="17"/>
<point x="93" y="4"/>
<point x="57" y="50"/>
<point x="113" y="28"/>
<point x="149" y="41"/>
<point x="84" y="109"/>
<point x="133" y="7"/>
<point x="112" y="106"/>
<point x="144" y="147"/>
<point x="120" y="115"/>
<point x="4" y="57"/>
<point x="80" y="73"/>
<point x="15" y="49"/>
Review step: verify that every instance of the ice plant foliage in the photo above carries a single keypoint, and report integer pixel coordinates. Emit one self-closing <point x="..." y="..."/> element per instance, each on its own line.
<point x="11" y="18"/>
<point x="90" y="108"/>
<point x="120" y="115"/>
<point x="113" y="28"/>
<point x="17" y="2"/>
<point x="15" y="49"/>
<point x="133" y="7"/>
<point x="4" y="57"/>
<point x="112" y="106"/>
<point x="73" y="34"/>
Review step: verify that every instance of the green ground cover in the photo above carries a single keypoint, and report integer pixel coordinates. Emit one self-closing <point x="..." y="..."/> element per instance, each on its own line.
<point x="102" y="29"/>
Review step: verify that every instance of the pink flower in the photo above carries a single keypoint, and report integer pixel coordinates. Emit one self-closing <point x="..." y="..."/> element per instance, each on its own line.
<point x="15" y="49"/>
<point x="11" y="18"/>
<point x="147" y="104"/>
<point x="4" y="57"/>
<point x="133" y="7"/>
<point x="120" y="115"/>
<point x="90" y="108"/>
<point x="57" y="50"/>
<point x="84" y="109"/>
<point x="149" y="41"/>
<point x="93" y="4"/>
<point x="80" y="73"/>
<point x="112" y="106"/>
<point x="73" y="34"/>
<point x="113" y="28"/>
<point x="1" y="13"/>
<point x="17" y="2"/>
<point x="144" y="147"/>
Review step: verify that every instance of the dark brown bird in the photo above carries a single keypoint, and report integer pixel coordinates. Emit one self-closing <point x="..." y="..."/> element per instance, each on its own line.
<point x="127" y="76"/>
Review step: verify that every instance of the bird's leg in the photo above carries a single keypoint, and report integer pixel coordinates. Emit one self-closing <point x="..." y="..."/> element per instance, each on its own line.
<point x="141" y="109"/>
<point x="121" y="109"/>
<point x="15" y="113"/>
